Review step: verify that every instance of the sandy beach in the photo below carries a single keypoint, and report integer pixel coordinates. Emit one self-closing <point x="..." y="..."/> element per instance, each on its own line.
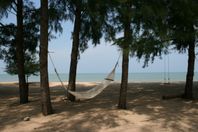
<point x="146" y="111"/>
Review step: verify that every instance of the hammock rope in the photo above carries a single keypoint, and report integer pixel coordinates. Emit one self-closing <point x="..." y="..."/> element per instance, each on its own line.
<point x="166" y="68"/>
<point x="57" y="74"/>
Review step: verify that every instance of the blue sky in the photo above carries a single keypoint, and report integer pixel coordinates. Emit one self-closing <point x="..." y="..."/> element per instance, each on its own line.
<point x="102" y="58"/>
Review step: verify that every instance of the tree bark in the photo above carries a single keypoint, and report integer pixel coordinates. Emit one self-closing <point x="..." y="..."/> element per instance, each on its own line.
<point x="23" y="89"/>
<point x="190" y="71"/>
<point x="125" y="63"/>
<point x="44" y="82"/>
<point x="124" y="80"/>
<point x="74" y="53"/>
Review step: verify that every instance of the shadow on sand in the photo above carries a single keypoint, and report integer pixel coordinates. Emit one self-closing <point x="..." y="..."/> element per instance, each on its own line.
<point x="101" y="112"/>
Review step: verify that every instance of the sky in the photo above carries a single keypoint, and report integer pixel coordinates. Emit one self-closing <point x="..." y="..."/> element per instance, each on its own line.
<point x="102" y="58"/>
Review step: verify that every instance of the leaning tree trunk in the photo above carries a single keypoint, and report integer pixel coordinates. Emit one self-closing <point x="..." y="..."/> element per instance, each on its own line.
<point x="190" y="71"/>
<point x="44" y="82"/>
<point x="74" y="54"/>
<point x="23" y="89"/>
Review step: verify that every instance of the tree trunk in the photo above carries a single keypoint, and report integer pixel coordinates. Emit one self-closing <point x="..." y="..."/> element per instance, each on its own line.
<point x="44" y="82"/>
<point x="74" y="54"/>
<point x="23" y="89"/>
<point x="125" y="63"/>
<point x="124" y="81"/>
<point x="190" y="71"/>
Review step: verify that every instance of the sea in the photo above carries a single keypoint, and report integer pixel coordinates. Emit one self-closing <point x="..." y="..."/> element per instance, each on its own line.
<point x="98" y="77"/>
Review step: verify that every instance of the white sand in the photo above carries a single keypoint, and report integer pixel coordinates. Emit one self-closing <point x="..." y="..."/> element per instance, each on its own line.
<point x="146" y="112"/>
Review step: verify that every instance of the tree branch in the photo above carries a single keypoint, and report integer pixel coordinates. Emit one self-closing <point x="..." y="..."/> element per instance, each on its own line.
<point x="12" y="12"/>
<point x="31" y="10"/>
<point x="2" y="24"/>
<point x="13" y="8"/>
<point x="15" y="2"/>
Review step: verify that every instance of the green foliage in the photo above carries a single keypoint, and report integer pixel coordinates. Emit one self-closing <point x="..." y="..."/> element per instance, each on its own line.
<point x="31" y="38"/>
<point x="93" y="18"/>
<point x="5" y="8"/>
<point x="93" y="22"/>
<point x="7" y="33"/>
<point x="167" y="23"/>
<point x="182" y="22"/>
<point x="147" y="30"/>
<point x="31" y="66"/>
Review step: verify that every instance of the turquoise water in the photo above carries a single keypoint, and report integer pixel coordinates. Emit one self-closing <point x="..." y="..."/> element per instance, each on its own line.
<point x="97" y="77"/>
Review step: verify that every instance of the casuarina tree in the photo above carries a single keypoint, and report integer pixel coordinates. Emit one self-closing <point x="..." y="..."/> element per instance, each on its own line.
<point x="182" y="25"/>
<point x="44" y="80"/>
<point x="18" y="38"/>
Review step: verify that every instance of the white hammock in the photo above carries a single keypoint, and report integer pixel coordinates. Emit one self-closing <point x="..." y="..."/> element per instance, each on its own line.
<point x="96" y="90"/>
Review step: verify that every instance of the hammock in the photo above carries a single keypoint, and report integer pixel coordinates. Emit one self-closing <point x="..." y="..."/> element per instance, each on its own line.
<point x="93" y="91"/>
<point x="96" y="90"/>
